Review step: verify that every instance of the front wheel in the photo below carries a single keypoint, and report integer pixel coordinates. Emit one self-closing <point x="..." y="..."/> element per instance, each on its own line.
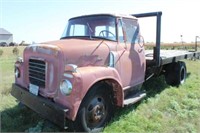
<point x="96" y="109"/>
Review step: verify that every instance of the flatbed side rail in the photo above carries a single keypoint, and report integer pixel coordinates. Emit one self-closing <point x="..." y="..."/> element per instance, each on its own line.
<point x="190" y="55"/>
<point x="156" y="52"/>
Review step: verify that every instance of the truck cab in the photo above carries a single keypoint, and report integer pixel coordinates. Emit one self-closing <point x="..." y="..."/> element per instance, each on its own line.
<point x="121" y="35"/>
<point x="93" y="68"/>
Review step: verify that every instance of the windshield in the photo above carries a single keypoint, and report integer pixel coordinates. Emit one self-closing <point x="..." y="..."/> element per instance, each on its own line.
<point x="103" y="27"/>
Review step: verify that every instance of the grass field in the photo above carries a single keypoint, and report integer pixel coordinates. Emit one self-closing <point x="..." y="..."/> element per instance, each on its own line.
<point x="165" y="109"/>
<point x="16" y="118"/>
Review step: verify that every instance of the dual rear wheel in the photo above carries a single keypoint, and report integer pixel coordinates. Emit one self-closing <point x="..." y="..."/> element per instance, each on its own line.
<point x="176" y="73"/>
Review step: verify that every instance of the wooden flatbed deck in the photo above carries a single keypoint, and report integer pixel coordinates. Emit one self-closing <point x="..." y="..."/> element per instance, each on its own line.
<point x="169" y="56"/>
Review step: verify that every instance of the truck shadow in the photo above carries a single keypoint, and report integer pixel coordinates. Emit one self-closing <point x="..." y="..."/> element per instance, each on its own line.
<point x="22" y="119"/>
<point x="153" y="87"/>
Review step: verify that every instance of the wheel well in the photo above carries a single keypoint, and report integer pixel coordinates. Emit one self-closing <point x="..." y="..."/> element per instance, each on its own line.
<point x="102" y="89"/>
<point x="113" y="88"/>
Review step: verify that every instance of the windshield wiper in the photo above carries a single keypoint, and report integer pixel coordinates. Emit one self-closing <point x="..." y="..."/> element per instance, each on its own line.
<point x="89" y="37"/>
<point x="80" y="37"/>
<point x="98" y="37"/>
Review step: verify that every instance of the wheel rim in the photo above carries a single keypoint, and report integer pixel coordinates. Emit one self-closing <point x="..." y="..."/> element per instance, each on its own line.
<point x="96" y="112"/>
<point x="182" y="76"/>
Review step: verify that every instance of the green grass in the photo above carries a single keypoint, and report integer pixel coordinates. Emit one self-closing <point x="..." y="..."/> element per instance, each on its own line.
<point x="165" y="109"/>
<point x="15" y="118"/>
<point x="7" y="68"/>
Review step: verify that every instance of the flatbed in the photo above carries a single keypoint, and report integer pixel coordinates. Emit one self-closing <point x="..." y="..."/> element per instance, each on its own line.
<point x="169" y="56"/>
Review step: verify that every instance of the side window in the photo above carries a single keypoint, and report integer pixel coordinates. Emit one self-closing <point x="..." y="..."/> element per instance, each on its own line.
<point x="120" y="32"/>
<point x="132" y="30"/>
<point x="77" y="30"/>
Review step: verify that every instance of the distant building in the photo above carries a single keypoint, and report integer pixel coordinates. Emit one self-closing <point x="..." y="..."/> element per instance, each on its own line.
<point x="5" y="36"/>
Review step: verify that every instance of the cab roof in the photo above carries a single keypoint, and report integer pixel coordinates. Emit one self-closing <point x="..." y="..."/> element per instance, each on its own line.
<point x="108" y="14"/>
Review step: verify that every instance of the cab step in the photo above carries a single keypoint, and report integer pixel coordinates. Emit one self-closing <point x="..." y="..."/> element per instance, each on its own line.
<point x="134" y="98"/>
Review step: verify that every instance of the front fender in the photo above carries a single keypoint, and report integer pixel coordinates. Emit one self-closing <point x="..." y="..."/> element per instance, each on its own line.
<point x="83" y="79"/>
<point x="92" y="75"/>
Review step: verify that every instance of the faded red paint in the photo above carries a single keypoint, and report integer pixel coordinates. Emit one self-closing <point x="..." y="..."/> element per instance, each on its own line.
<point x="92" y="59"/>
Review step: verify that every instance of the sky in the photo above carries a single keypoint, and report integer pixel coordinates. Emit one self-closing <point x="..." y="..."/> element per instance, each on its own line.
<point x="45" y="20"/>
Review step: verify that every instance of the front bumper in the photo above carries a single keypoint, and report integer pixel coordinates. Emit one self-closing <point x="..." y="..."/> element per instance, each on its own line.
<point x="43" y="106"/>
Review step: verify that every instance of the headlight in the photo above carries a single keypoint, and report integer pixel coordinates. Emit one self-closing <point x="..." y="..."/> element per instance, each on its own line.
<point x="17" y="73"/>
<point x="65" y="87"/>
<point x="19" y="59"/>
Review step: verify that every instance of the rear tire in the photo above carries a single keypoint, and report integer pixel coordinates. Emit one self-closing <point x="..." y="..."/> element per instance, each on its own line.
<point x="96" y="110"/>
<point x="176" y="73"/>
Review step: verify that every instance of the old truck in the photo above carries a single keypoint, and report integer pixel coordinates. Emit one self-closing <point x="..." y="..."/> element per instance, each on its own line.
<point x="98" y="64"/>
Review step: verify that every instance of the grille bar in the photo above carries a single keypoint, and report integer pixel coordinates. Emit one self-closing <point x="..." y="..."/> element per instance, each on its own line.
<point x="33" y="63"/>
<point x="37" y="78"/>
<point x="37" y="72"/>
<point x="37" y="67"/>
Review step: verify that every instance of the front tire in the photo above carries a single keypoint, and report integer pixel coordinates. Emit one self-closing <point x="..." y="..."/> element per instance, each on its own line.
<point x="96" y="109"/>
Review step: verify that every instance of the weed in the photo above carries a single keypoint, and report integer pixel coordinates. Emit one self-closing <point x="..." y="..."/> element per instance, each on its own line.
<point x="37" y="128"/>
<point x="16" y="51"/>
<point x="1" y="52"/>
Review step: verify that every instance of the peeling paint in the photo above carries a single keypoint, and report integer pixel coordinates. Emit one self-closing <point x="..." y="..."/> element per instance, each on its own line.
<point x="45" y="49"/>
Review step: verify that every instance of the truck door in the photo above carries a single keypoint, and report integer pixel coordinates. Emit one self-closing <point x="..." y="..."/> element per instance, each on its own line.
<point x="131" y="51"/>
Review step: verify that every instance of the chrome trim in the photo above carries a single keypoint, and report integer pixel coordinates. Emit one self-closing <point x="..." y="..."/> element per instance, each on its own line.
<point x="20" y="59"/>
<point x="71" y="67"/>
<point x="67" y="75"/>
<point x="112" y="59"/>
<point x="17" y="72"/>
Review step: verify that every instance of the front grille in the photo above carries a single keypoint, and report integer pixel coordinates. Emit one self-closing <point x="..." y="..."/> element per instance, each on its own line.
<point x="37" y="72"/>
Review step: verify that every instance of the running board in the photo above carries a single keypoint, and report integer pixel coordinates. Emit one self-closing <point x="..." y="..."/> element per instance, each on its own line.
<point x="134" y="98"/>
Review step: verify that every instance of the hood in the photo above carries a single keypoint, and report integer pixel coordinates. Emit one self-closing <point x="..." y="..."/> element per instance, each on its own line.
<point x="83" y="52"/>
